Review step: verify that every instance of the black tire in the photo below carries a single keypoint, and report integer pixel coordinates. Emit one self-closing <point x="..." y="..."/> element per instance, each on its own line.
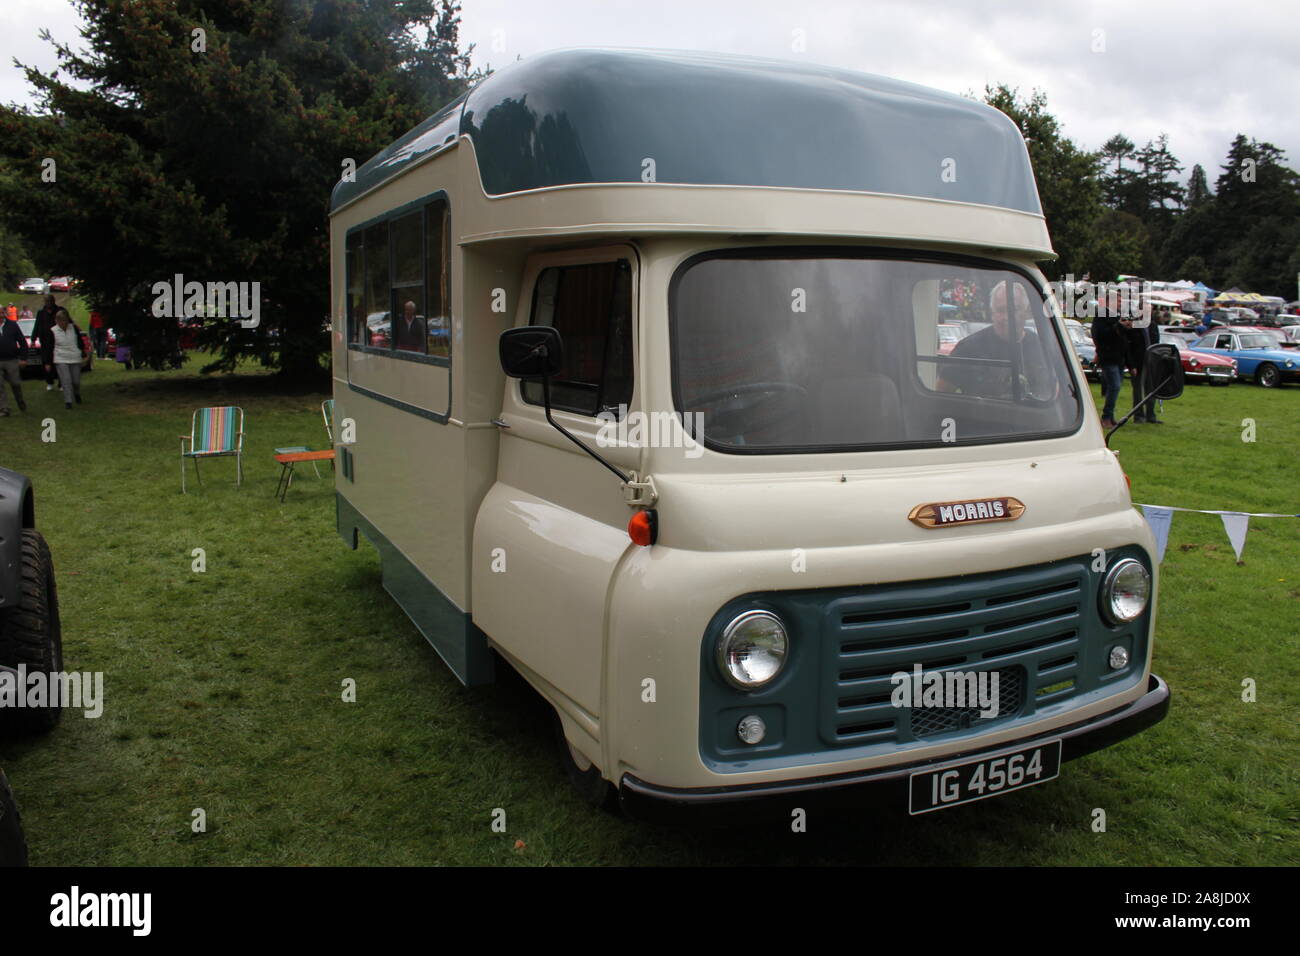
<point x="594" y="789"/>
<point x="13" y="846"/>
<point x="1268" y="376"/>
<point x="30" y="634"/>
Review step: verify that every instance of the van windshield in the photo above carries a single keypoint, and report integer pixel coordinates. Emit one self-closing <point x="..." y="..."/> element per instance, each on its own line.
<point x="792" y="351"/>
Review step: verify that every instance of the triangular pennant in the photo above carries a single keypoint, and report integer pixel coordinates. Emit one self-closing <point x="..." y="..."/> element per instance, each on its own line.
<point x="1159" y="518"/>
<point x="1235" y="525"/>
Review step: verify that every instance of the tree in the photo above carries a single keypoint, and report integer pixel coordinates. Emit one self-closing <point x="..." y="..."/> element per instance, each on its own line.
<point x="1198" y="191"/>
<point x="204" y="137"/>
<point x="1067" y="177"/>
<point x="1193" y="268"/>
<point x="15" y="263"/>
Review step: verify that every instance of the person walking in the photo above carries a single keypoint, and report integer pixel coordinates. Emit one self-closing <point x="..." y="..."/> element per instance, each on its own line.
<point x="13" y="356"/>
<point x="98" y="333"/>
<point x="41" y="335"/>
<point x="1109" y="336"/>
<point x="1138" y="340"/>
<point x="68" y="356"/>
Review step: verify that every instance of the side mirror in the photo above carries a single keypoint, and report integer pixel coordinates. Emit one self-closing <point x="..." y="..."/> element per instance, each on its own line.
<point x="1165" y="369"/>
<point x="535" y="351"/>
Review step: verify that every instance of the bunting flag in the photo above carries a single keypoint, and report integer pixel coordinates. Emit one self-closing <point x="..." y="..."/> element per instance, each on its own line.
<point x="1235" y="523"/>
<point x="1158" y="518"/>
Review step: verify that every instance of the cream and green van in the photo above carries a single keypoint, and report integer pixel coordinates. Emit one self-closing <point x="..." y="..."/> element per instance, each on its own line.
<point x="639" y="391"/>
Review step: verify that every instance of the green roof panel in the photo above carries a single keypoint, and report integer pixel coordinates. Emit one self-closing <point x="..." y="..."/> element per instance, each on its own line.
<point x="598" y="116"/>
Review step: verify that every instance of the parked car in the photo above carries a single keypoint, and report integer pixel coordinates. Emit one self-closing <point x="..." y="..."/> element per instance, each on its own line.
<point x="1084" y="348"/>
<point x="1184" y="336"/>
<point x="34" y="365"/>
<point x="61" y="284"/>
<point x="1279" y="336"/>
<point x="949" y="336"/>
<point x="37" y="286"/>
<point x="1257" y="357"/>
<point x="1201" y="366"/>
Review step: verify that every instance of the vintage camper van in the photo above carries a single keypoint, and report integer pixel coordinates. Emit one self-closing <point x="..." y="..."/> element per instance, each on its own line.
<point x="639" y="390"/>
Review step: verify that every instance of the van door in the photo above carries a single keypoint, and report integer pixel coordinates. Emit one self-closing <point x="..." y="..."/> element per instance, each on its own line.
<point x="552" y="530"/>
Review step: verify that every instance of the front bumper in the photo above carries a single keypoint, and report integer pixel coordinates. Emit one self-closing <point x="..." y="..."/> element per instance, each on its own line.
<point x="887" y="786"/>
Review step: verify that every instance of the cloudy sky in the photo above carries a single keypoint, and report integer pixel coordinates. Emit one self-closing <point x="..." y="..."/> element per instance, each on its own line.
<point x="1199" y="71"/>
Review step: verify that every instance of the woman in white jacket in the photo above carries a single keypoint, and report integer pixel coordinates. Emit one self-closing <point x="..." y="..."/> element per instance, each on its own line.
<point x="68" y="356"/>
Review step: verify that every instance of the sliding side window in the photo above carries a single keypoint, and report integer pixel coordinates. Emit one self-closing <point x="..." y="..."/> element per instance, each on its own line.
<point x="591" y="306"/>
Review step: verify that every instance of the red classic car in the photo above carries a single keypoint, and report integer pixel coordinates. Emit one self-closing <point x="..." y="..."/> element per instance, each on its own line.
<point x="1202" y="366"/>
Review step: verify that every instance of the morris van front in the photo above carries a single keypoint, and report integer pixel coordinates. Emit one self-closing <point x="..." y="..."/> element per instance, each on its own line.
<point x="851" y="505"/>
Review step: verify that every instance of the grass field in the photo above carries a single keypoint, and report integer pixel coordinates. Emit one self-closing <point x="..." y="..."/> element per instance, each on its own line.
<point x="223" y="687"/>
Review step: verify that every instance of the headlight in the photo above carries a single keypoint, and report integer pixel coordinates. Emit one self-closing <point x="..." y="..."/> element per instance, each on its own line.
<point x="1125" y="591"/>
<point x="752" y="650"/>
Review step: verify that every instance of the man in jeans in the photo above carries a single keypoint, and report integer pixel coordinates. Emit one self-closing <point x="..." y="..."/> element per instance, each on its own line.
<point x="1108" y="335"/>
<point x="13" y="356"/>
<point x="1139" y="340"/>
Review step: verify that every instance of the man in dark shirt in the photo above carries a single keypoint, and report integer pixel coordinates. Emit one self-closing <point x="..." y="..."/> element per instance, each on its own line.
<point x="408" y="330"/>
<point x="1109" y="336"/>
<point x="1138" y="339"/>
<point x="13" y="356"/>
<point x="1014" y="348"/>
<point x="44" y="334"/>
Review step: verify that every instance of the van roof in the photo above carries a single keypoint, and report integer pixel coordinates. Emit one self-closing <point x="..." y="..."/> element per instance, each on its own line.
<point x="574" y="117"/>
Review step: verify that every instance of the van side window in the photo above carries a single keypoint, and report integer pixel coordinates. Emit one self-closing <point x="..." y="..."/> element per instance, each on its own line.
<point x="398" y="285"/>
<point x="437" y="225"/>
<point x="377" y="306"/>
<point x="591" y="306"/>
<point x="355" y="285"/>
<point x="408" y="283"/>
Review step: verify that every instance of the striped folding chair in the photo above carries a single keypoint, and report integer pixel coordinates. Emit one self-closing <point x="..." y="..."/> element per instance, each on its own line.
<point x="214" y="433"/>
<point x="327" y="413"/>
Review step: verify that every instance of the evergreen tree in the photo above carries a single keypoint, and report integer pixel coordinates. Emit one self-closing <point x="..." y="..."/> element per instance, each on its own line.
<point x="1067" y="177"/>
<point x="1198" y="190"/>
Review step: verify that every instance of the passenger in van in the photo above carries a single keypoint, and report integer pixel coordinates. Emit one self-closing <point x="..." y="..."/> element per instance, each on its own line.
<point x="1007" y="339"/>
<point x="408" y="331"/>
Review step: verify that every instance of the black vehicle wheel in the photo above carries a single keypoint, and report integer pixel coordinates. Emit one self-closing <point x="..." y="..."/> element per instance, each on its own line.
<point x="13" y="847"/>
<point x="1267" y="375"/>
<point x="30" y="634"/>
<point x="585" y="776"/>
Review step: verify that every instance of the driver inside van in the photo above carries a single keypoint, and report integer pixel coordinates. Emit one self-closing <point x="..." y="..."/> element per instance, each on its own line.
<point x="1007" y="340"/>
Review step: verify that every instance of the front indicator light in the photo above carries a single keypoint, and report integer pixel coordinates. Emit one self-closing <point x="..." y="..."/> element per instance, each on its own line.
<point x="752" y="650"/>
<point x="1125" y="591"/>
<point x="751" y="729"/>
<point x="1118" y="658"/>
<point x="643" y="527"/>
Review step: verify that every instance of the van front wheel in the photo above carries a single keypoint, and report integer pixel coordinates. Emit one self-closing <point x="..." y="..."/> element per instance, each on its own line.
<point x="585" y="776"/>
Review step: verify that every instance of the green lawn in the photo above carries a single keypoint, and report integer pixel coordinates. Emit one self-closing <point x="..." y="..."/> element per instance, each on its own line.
<point x="224" y="688"/>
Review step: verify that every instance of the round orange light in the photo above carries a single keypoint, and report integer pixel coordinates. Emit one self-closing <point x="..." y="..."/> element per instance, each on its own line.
<point x="643" y="528"/>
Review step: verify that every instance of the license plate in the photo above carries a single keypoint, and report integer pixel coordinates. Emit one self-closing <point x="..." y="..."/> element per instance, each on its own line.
<point x="954" y="783"/>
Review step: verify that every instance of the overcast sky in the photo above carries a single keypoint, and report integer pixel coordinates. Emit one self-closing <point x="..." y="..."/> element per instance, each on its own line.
<point x="1199" y="71"/>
